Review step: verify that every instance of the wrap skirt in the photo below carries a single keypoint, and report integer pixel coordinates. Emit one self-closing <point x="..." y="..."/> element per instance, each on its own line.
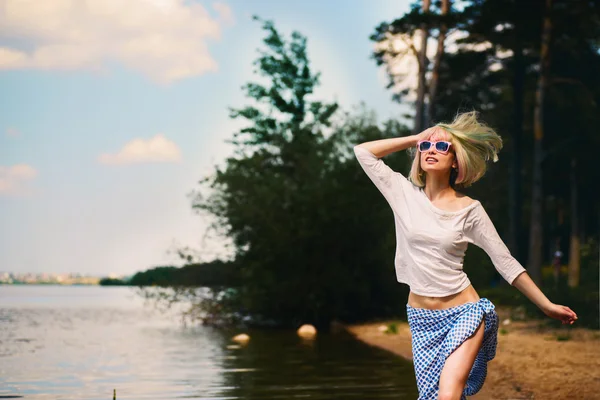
<point x="437" y="333"/>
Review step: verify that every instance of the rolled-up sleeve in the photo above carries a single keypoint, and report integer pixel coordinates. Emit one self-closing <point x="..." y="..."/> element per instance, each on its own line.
<point x="384" y="178"/>
<point x="480" y="231"/>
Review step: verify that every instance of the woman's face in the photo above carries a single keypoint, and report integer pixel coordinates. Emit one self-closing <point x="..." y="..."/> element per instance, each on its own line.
<point x="433" y="161"/>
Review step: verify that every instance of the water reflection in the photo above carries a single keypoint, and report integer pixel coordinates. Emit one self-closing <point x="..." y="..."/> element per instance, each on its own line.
<point x="283" y="366"/>
<point x="81" y="342"/>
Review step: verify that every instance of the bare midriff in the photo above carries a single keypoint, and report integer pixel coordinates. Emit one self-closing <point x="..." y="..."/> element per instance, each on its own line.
<point x="439" y="303"/>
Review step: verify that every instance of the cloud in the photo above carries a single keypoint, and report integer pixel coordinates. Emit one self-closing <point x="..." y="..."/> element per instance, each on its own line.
<point x="12" y="178"/>
<point x="12" y="132"/>
<point x="156" y="149"/>
<point x="163" y="39"/>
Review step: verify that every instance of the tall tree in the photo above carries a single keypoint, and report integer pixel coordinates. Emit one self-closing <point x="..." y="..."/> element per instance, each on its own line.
<point x="435" y="72"/>
<point x="515" y="203"/>
<point x="423" y="65"/>
<point x="574" y="245"/>
<point x="536" y="237"/>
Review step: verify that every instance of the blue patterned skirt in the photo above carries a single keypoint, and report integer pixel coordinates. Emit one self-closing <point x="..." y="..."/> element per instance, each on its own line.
<point x="437" y="333"/>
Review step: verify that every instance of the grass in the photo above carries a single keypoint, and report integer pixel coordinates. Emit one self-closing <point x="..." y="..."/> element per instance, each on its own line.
<point x="392" y="329"/>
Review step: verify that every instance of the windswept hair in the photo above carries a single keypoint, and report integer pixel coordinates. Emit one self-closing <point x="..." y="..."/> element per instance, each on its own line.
<point x="474" y="144"/>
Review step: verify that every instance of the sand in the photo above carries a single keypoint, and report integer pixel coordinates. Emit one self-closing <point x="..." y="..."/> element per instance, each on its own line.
<point x="531" y="362"/>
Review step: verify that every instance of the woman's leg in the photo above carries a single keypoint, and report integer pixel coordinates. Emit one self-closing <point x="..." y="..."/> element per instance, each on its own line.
<point x="458" y="366"/>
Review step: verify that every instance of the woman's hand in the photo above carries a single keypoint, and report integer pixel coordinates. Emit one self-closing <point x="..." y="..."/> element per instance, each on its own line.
<point x="562" y="313"/>
<point x="426" y="133"/>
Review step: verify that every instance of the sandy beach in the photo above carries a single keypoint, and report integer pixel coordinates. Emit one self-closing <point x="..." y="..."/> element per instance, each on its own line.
<point x="532" y="362"/>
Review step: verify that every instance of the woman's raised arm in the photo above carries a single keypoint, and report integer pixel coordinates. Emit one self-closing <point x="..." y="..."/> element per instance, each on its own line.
<point x="369" y="156"/>
<point x="383" y="147"/>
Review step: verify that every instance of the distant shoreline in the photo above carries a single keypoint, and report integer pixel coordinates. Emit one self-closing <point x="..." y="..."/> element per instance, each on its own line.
<point x="47" y="284"/>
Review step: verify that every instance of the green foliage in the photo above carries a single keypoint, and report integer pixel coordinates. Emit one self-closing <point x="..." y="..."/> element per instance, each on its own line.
<point x="158" y="276"/>
<point x="392" y="329"/>
<point x="112" y="282"/>
<point x="293" y="201"/>
<point x="212" y="274"/>
<point x="289" y="116"/>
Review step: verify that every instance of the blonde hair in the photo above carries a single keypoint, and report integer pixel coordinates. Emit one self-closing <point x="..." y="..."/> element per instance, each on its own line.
<point x="474" y="143"/>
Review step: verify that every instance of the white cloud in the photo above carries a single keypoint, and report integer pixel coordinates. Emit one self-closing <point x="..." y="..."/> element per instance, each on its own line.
<point x="164" y="39"/>
<point x="156" y="149"/>
<point x="13" y="177"/>
<point x="12" y="132"/>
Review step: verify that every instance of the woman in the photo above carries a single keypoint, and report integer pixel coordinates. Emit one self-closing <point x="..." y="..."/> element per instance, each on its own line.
<point x="454" y="331"/>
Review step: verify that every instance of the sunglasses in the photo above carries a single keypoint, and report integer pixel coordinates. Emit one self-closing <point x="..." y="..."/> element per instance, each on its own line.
<point x="441" y="146"/>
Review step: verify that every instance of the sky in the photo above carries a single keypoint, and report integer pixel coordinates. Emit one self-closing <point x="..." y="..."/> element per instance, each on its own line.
<point x="111" y="112"/>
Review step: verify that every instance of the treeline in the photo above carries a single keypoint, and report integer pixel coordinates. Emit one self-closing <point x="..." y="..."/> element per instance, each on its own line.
<point x="211" y="274"/>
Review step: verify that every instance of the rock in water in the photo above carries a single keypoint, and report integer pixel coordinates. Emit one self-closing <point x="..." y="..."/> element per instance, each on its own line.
<point x="241" y="338"/>
<point x="307" y="330"/>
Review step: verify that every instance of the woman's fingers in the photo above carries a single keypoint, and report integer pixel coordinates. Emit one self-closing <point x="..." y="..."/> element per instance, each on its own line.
<point x="563" y="314"/>
<point x="571" y="312"/>
<point x="574" y="314"/>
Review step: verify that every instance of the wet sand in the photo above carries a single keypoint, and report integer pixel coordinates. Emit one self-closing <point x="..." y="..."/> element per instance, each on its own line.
<point x="531" y="362"/>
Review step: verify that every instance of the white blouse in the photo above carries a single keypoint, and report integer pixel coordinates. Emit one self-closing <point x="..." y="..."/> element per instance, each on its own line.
<point x="431" y="242"/>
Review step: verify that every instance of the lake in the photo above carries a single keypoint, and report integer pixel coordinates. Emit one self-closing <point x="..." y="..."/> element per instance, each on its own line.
<point x="81" y="342"/>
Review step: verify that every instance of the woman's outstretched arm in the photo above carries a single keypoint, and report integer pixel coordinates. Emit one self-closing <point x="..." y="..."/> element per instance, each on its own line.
<point x="527" y="286"/>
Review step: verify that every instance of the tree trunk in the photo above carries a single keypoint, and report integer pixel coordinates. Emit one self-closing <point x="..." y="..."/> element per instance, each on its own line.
<point x="435" y="73"/>
<point x="421" y="88"/>
<point x="515" y="199"/>
<point x="534" y="264"/>
<point x="574" y="251"/>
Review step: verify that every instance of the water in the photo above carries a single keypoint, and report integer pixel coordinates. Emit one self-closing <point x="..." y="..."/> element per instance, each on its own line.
<point x="81" y="342"/>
